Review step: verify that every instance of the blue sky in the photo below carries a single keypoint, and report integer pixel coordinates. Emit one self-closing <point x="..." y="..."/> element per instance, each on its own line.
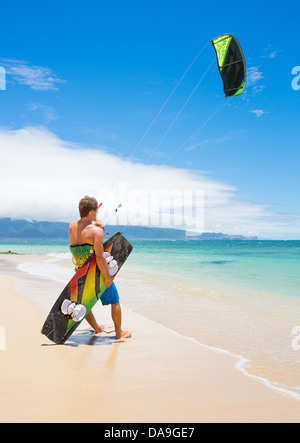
<point x="96" y="73"/>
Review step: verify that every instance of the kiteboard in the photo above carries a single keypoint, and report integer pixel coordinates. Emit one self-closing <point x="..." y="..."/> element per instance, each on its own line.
<point x="84" y="290"/>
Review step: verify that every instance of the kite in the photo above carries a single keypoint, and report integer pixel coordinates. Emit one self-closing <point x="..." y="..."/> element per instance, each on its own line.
<point x="231" y="63"/>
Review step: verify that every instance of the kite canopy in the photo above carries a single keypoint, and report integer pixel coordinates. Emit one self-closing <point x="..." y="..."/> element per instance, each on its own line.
<point x="231" y="64"/>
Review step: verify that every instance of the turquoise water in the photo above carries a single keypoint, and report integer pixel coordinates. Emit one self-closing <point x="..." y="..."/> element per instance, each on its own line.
<point x="262" y="265"/>
<point x="238" y="296"/>
<point x="34" y="247"/>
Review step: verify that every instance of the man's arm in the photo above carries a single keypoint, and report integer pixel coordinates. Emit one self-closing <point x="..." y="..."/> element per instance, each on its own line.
<point x="100" y="257"/>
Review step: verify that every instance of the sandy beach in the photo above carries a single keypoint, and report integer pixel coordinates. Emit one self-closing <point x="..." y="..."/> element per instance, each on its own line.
<point x="156" y="376"/>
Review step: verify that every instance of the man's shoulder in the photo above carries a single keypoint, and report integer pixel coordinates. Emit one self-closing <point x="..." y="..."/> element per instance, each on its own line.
<point x="73" y="225"/>
<point x="96" y="229"/>
<point x="97" y="232"/>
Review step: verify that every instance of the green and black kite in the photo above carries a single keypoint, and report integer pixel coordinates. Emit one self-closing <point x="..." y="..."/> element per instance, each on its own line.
<point x="231" y="64"/>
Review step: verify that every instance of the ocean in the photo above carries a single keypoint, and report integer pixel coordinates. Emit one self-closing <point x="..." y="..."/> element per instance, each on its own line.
<point x="240" y="297"/>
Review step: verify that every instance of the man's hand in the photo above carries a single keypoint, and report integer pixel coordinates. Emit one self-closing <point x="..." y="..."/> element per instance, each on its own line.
<point x="109" y="281"/>
<point x="98" y="223"/>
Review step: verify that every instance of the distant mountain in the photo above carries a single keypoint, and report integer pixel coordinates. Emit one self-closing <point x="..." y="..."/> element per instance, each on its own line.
<point x="25" y="230"/>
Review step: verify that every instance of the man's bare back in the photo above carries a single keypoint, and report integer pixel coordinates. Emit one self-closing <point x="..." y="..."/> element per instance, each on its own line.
<point x="84" y="231"/>
<point x="88" y="231"/>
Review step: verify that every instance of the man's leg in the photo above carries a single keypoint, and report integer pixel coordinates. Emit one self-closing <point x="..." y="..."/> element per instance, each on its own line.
<point x="92" y="322"/>
<point x="116" y="315"/>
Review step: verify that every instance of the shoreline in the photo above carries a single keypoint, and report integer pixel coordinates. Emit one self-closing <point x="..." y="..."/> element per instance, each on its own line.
<point x="126" y="285"/>
<point x="139" y="380"/>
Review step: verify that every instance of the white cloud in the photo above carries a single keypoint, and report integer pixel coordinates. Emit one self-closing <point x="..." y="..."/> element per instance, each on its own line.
<point x="38" y="78"/>
<point x="46" y="113"/>
<point x="254" y="76"/>
<point x="44" y="177"/>
<point x="270" y="52"/>
<point x="258" y="112"/>
<point x="196" y="145"/>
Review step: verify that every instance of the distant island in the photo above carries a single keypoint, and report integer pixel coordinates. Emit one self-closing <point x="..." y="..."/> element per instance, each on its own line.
<point x="35" y="230"/>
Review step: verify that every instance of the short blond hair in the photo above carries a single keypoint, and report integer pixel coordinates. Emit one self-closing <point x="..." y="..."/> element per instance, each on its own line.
<point x="86" y="205"/>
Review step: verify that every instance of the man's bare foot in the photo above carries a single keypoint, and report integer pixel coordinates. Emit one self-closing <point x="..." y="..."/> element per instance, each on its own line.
<point x="123" y="334"/>
<point x="99" y="329"/>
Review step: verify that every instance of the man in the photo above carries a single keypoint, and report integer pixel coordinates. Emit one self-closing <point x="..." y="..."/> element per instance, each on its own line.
<point x="86" y="235"/>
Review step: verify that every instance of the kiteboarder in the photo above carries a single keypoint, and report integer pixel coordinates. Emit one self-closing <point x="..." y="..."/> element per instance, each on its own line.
<point x="86" y="236"/>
